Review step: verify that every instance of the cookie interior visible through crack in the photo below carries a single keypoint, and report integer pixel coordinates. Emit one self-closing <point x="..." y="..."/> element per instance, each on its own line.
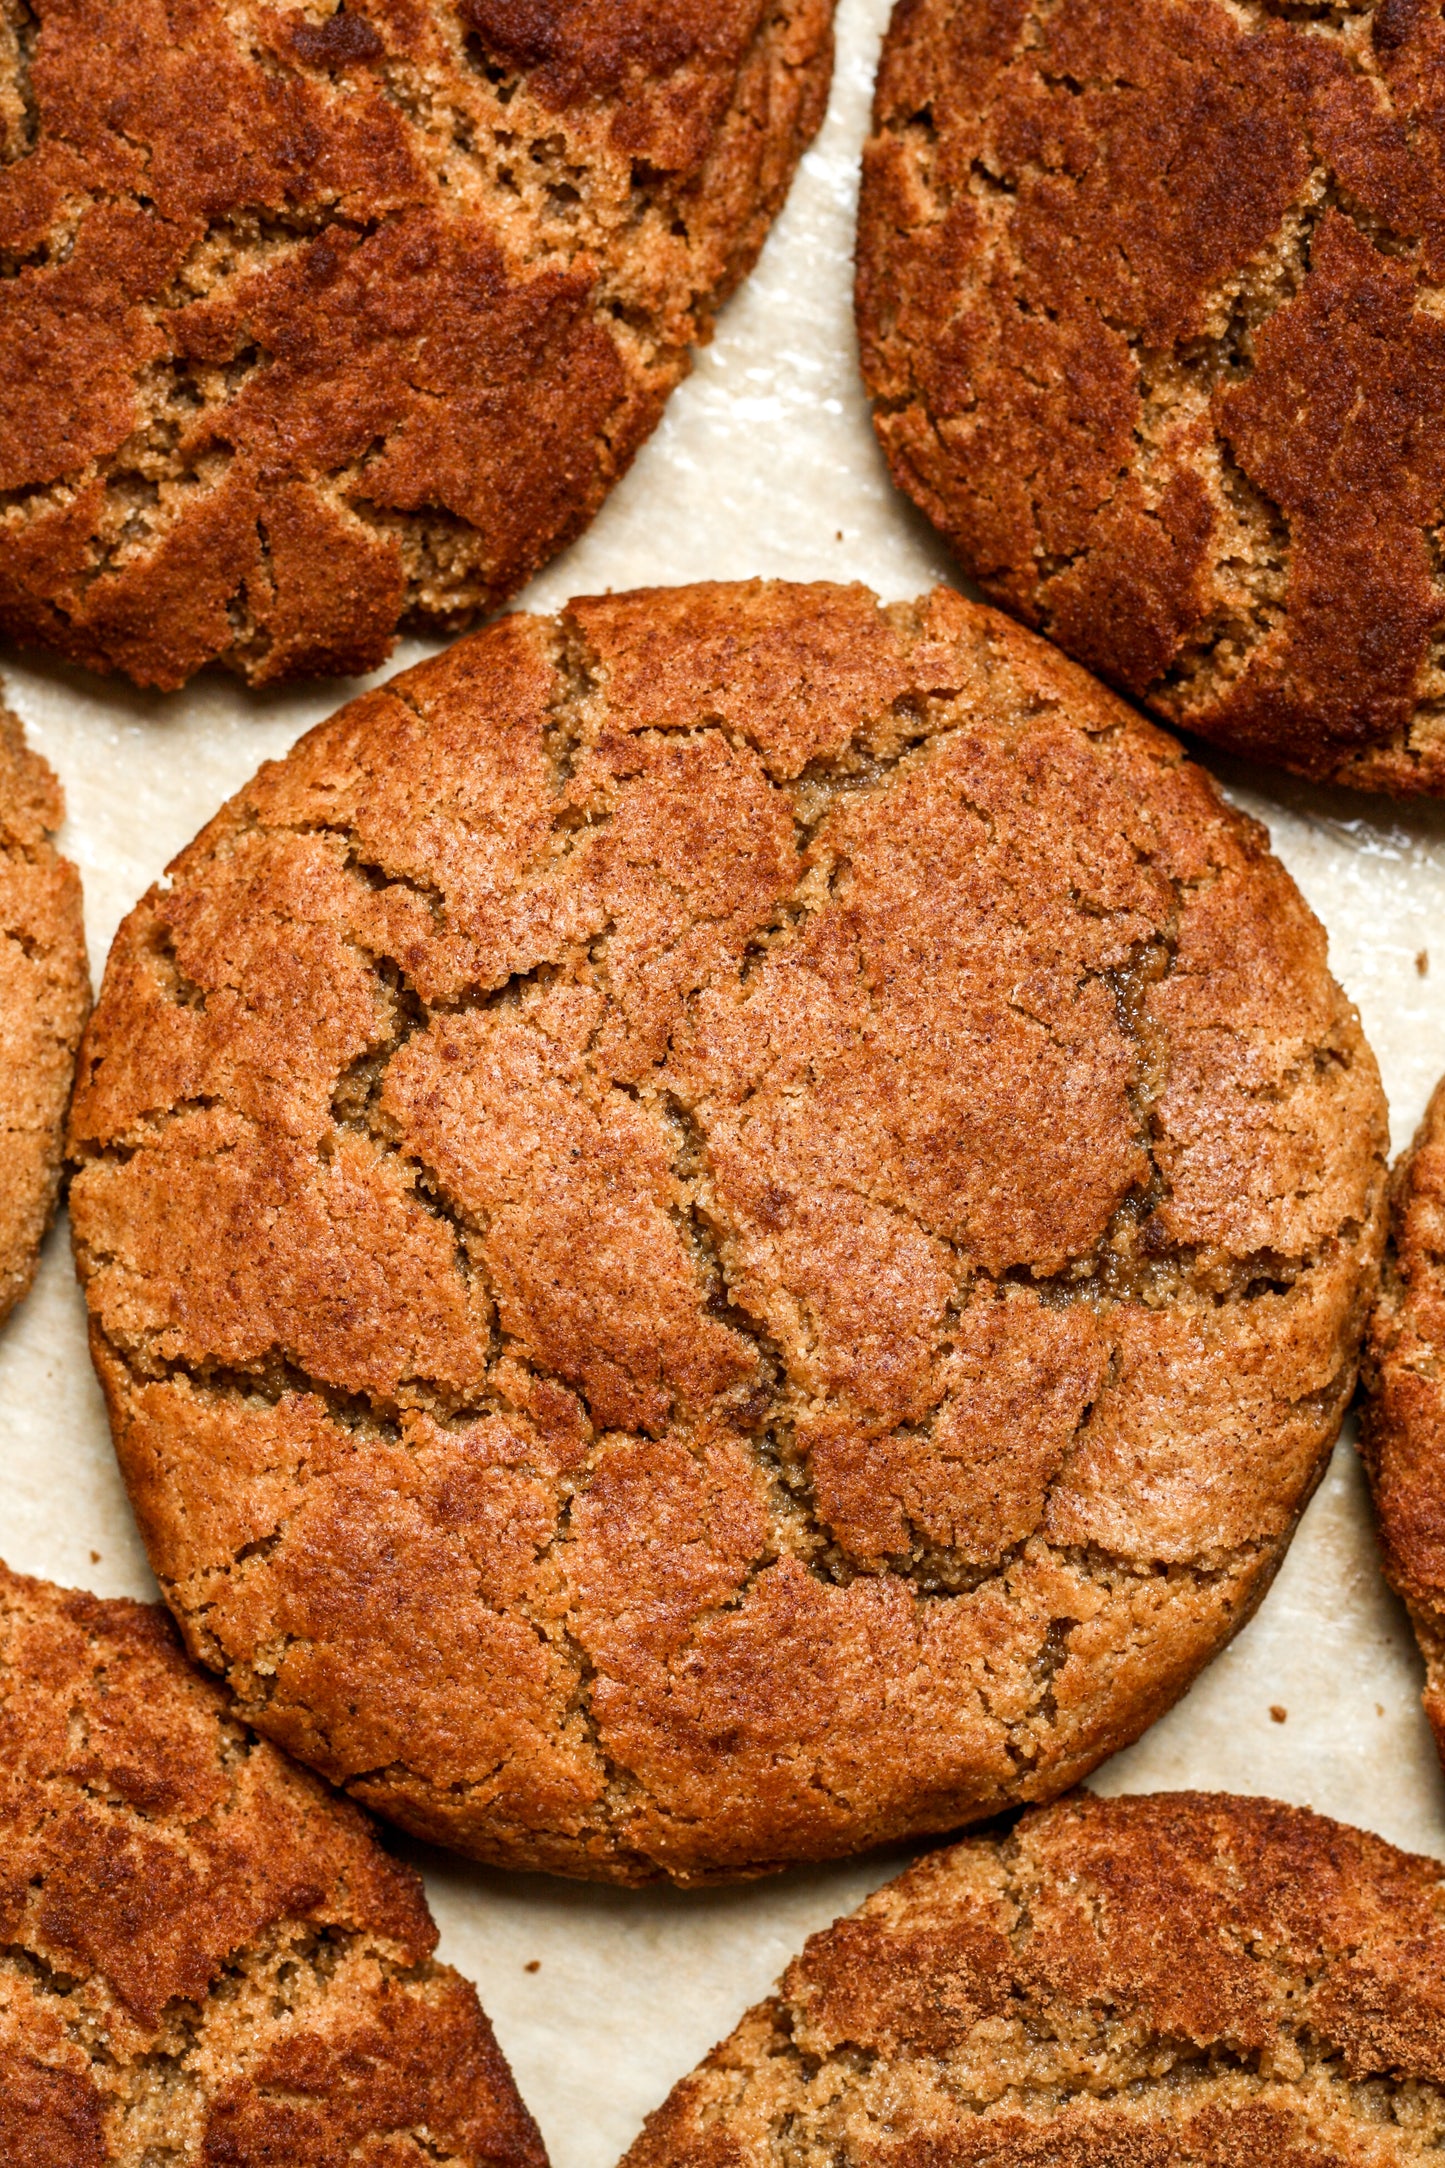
<point x="722" y="1228"/>
<point x="1186" y="1978"/>
<point x="207" y="1959"/>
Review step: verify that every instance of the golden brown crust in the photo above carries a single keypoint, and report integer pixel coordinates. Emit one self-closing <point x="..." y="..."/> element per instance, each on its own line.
<point x="1402" y="1433"/>
<point x="1183" y="1979"/>
<point x="44" y="996"/>
<point x="205" y="1958"/>
<point x="312" y="320"/>
<point x="1150" y="302"/>
<point x="722" y="1228"/>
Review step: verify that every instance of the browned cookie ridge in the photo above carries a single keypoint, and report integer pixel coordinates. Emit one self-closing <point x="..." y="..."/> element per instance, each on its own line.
<point x="1179" y="1981"/>
<point x="722" y="1228"/>
<point x="316" y="317"/>
<point x="44" y="994"/>
<point x="205" y="1958"/>
<point x="1151" y="296"/>
<point x="1403" y="1431"/>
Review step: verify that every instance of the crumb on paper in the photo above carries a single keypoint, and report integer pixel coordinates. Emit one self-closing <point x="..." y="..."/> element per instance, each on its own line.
<point x="1422" y="962"/>
<point x="1277" y="1713"/>
<point x="839" y="536"/>
<point x="533" y="1964"/>
<point x="1379" y="1708"/>
<point x="95" y="1558"/>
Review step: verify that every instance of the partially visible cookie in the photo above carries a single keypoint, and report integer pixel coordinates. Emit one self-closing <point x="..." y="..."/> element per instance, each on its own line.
<point x="318" y="317"/>
<point x="1151" y="301"/>
<point x="206" y="1960"/>
<point x="1403" y="1430"/>
<point x="722" y="1228"/>
<point x="44" y="994"/>
<point x="1181" y="1981"/>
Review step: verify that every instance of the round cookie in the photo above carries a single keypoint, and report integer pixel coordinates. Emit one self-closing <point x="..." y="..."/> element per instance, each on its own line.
<point x="1151" y="299"/>
<point x="208" y="1960"/>
<point x="44" y="994"/>
<point x="1179" y="1981"/>
<point x="1402" y="1433"/>
<point x="317" y="318"/>
<point x="722" y="1228"/>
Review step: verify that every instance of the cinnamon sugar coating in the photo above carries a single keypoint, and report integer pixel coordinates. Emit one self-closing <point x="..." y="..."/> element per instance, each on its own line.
<point x="1151" y="296"/>
<point x="315" y="317"/>
<point x="722" y="1228"/>
<point x="44" y="995"/>
<point x="1403" y="1429"/>
<point x="1181" y="1981"/>
<point x="205" y="1958"/>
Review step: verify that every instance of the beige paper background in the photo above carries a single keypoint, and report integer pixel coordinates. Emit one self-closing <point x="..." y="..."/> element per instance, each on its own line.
<point x="763" y="464"/>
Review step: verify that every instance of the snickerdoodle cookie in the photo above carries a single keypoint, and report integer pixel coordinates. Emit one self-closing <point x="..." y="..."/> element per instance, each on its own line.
<point x="1183" y="1981"/>
<point x="44" y="994"/>
<point x="207" y="1959"/>
<point x="721" y="1228"/>
<point x="1152" y="303"/>
<point x="1403" y="1431"/>
<point x="315" y="317"/>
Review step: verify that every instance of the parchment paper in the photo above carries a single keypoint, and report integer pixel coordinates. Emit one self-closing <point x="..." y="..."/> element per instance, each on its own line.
<point x="764" y="464"/>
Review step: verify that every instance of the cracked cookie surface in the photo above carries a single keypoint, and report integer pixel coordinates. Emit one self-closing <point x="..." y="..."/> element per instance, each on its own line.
<point x="721" y="1228"/>
<point x="206" y="1958"/>
<point x="44" y="995"/>
<point x="1179" y="1979"/>
<point x="314" y="321"/>
<point x="1402" y="1434"/>
<point x="1151" y="299"/>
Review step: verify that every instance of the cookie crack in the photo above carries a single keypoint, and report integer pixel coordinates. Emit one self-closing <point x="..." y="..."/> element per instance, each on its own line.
<point x="1163" y="2070"/>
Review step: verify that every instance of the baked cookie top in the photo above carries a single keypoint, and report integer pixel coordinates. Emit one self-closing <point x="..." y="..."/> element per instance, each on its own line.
<point x="1185" y="1978"/>
<point x="721" y="1228"/>
<point x="1403" y="1429"/>
<point x="207" y="1957"/>
<point x="44" y="994"/>
<point x="318" y="317"/>
<point x="1151" y="296"/>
